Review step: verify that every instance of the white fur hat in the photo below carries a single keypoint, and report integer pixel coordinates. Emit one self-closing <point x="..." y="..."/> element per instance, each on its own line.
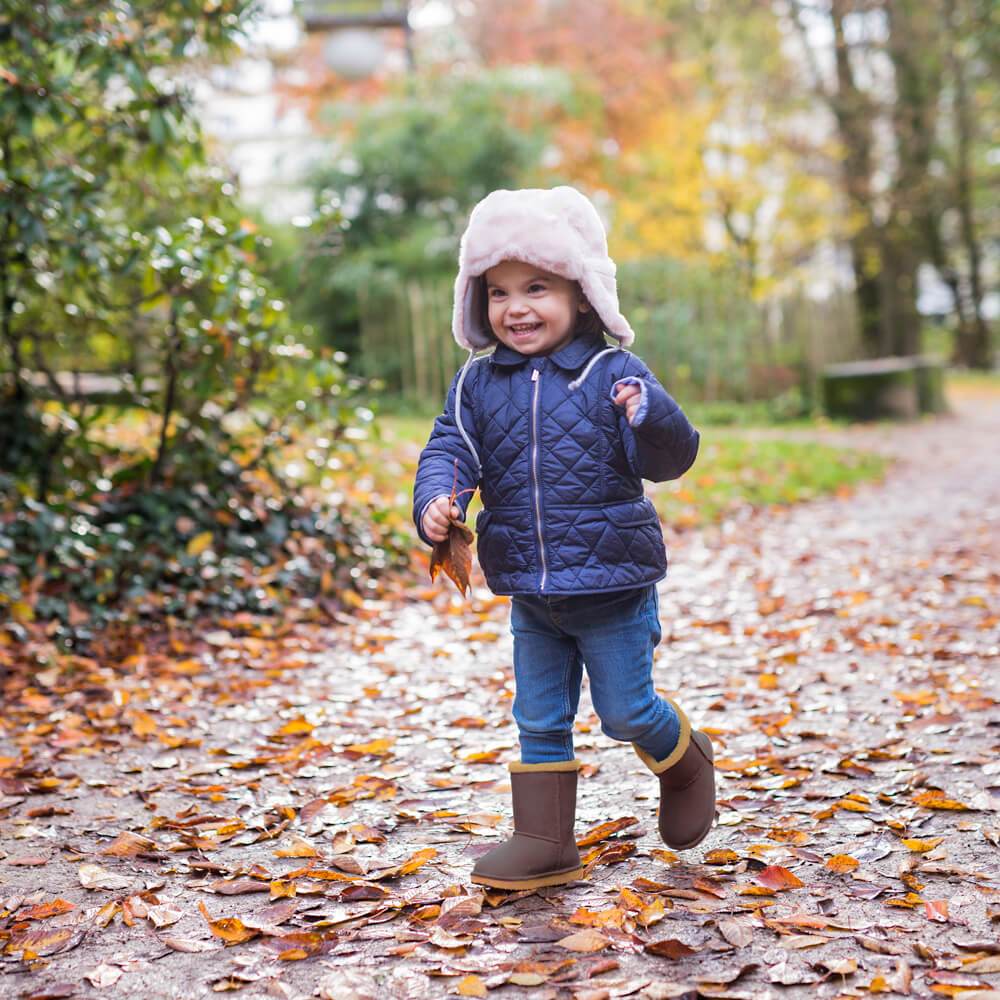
<point x="558" y="230"/>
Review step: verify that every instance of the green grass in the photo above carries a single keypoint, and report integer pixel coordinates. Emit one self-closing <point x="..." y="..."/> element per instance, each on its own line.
<point x="733" y="470"/>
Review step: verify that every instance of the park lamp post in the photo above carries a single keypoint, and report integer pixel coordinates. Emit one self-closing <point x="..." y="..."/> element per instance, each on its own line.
<point x="353" y="49"/>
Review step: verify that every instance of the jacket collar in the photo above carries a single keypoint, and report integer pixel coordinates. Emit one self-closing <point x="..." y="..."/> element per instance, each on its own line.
<point x="574" y="355"/>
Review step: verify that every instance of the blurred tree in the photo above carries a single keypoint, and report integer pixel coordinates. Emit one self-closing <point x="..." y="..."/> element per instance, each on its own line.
<point x="898" y="90"/>
<point x="405" y="174"/>
<point x="696" y="136"/>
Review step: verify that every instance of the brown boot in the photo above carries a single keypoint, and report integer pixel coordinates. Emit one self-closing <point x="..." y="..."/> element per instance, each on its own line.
<point x="542" y="850"/>
<point x="687" y="787"/>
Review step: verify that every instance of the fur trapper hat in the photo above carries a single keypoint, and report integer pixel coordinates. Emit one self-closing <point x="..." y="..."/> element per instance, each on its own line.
<point x="557" y="230"/>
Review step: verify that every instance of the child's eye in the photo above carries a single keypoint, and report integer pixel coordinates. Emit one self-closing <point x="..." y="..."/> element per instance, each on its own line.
<point x="496" y="293"/>
<point x="536" y="287"/>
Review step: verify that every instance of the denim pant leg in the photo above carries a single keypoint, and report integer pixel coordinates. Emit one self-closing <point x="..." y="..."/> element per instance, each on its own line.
<point x="548" y="671"/>
<point x="617" y="634"/>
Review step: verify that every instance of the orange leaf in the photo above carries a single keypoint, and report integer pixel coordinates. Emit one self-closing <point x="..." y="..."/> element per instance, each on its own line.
<point x="721" y="856"/>
<point x="128" y="845"/>
<point x="936" y="800"/>
<point x="380" y="748"/>
<point x="43" y="910"/>
<point x="611" y="917"/>
<point x="230" y="929"/>
<point x="605" y="830"/>
<point x="417" y="860"/>
<point x="297" y="847"/>
<point x="842" y="863"/>
<point x="776" y="877"/>
<point x="296" y="727"/>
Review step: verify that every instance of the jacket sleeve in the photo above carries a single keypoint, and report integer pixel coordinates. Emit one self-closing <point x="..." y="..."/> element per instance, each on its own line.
<point x="436" y="467"/>
<point x="661" y="443"/>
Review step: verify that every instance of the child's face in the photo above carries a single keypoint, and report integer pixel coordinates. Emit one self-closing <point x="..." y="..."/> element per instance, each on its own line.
<point x="531" y="310"/>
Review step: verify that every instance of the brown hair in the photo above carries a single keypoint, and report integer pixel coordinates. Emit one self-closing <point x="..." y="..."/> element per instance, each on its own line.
<point x="588" y="324"/>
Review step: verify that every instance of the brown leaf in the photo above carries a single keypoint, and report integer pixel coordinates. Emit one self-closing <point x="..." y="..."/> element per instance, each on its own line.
<point x="454" y="556"/>
<point x="671" y="948"/>
<point x="598" y="833"/>
<point x="239" y="886"/>
<point x="128" y="845"/>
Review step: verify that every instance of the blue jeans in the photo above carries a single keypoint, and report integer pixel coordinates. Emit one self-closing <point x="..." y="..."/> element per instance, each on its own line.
<point x="614" y="634"/>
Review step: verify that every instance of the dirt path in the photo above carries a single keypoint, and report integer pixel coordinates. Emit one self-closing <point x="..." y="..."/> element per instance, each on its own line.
<point x="844" y="655"/>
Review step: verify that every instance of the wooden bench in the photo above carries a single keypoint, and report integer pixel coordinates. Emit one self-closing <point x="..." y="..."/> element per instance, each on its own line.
<point x="894" y="388"/>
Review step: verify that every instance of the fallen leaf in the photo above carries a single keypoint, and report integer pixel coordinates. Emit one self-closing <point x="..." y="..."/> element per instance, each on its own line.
<point x="95" y="877"/>
<point x="586" y="941"/>
<point x="605" y="830"/>
<point x="454" y="556"/>
<point x="670" y="948"/>
<point x="104" y="975"/>
<point x="840" y="863"/>
<point x="778" y="878"/>
<point x="128" y="845"/>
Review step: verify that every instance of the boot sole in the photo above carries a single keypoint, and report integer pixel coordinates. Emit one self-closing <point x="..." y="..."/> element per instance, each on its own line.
<point x="529" y="883"/>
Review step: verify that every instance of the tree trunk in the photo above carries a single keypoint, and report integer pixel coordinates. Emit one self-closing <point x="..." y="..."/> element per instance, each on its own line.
<point x="972" y="345"/>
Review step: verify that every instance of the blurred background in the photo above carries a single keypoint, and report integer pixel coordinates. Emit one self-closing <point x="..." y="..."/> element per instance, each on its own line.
<point x="785" y="184"/>
<point x="230" y="231"/>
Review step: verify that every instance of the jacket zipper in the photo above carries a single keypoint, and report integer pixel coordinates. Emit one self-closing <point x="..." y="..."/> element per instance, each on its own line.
<point x="536" y="378"/>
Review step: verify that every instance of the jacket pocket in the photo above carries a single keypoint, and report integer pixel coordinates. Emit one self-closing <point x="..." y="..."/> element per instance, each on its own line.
<point x="632" y="513"/>
<point x="483" y="519"/>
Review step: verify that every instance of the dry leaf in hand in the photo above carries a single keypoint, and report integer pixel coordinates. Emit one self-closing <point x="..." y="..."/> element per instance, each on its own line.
<point x="454" y="555"/>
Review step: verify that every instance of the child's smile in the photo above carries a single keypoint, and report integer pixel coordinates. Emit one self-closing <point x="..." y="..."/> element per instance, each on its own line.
<point x="532" y="310"/>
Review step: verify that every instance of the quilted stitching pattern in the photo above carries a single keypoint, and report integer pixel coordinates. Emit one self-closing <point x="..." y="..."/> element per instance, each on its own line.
<point x="599" y="531"/>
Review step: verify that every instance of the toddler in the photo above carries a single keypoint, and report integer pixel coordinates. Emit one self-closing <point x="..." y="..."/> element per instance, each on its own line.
<point x="558" y="429"/>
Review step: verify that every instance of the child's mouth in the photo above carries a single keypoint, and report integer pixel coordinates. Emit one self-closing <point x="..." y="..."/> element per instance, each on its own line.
<point x="525" y="329"/>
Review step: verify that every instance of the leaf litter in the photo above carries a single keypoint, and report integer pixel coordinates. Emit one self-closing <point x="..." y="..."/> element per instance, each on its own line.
<point x="294" y="806"/>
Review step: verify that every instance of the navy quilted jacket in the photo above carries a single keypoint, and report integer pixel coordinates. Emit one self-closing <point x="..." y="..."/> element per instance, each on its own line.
<point x="559" y="468"/>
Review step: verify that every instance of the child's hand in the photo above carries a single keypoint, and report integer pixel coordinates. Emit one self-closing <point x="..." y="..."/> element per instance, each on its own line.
<point x="629" y="396"/>
<point x="435" y="522"/>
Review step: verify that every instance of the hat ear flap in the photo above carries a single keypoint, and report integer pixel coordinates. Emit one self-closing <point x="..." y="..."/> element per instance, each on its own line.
<point x="474" y="314"/>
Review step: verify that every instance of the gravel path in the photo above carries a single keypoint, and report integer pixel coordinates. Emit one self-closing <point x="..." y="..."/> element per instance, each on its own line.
<point x="843" y="654"/>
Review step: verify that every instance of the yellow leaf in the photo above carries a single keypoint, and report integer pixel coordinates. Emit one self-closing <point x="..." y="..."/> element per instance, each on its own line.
<point x="380" y="748"/>
<point x="472" y="986"/>
<point x="22" y="612"/>
<point x="920" y="846"/>
<point x="296" y="727"/>
<point x="199" y="543"/>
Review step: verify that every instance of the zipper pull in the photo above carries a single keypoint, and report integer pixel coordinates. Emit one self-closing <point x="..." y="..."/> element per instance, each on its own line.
<point x="534" y="374"/>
